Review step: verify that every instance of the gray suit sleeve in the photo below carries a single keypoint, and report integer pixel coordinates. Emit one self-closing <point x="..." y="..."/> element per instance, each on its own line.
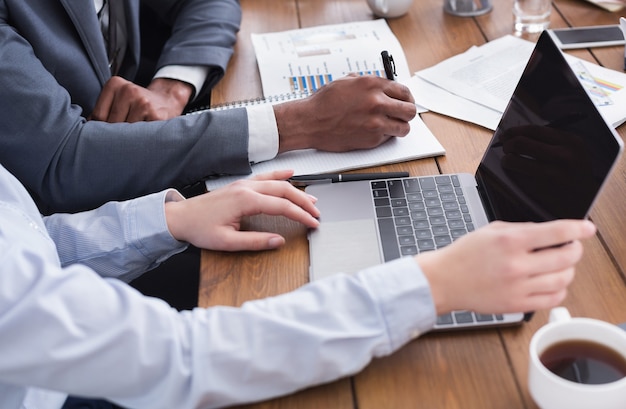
<point x="70" y="164"/>
<point x="203" y="33"/>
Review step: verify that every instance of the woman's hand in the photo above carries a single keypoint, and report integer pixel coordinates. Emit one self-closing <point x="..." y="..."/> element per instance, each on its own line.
<point x="506" y="267"/>
<point x="213" y="220"/>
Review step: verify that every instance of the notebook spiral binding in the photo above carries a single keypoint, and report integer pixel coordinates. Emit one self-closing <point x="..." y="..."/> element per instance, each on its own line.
<point x="272" y="99"/>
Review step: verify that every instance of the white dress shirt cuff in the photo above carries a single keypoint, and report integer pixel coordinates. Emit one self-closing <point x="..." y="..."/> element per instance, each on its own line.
<point x="263" y="133"/>
<point x="405" y="300"/>
<point x="151" y="232"/>
<point x="192" y="75"/>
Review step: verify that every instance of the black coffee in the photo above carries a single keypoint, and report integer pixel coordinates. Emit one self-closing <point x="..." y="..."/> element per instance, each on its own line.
<point x="584" y="362"/>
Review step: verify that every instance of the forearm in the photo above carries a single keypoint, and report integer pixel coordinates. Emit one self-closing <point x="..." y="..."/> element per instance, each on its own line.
<point x="324" y="331"/>
<point x="77" y="165"/>
<point x="209" y="358"/>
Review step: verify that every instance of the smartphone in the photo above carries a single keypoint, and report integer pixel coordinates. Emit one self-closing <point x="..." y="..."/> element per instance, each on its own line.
<point x="587" y="37"/>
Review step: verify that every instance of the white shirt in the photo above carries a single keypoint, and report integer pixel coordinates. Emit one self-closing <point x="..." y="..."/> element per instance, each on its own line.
<point x="263" y="131"/>
<point x="69" y="325"/>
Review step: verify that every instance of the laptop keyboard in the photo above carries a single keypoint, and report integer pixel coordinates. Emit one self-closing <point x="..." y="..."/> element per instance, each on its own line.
<point x="421" y="214"/>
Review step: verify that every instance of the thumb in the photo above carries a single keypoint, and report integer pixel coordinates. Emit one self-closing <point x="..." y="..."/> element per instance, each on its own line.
<point x="253" y="241"/>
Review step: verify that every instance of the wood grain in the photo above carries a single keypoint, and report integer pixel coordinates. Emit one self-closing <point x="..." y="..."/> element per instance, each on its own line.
<point x="471" y="369"/>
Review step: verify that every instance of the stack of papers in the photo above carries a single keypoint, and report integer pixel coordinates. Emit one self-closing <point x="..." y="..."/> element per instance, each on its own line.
<point x="476" y="86"/>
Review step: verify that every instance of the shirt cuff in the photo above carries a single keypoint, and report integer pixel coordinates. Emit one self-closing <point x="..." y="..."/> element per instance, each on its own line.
<point x="263" y="133"/>
<point x="192" y="75"/>
<point x="405" y="300"/>
<point x="156" y="241"/>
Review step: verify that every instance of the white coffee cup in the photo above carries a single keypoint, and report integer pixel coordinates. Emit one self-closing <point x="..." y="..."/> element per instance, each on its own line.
<point x="551" y="391"/>
<point x="390" y="8"/>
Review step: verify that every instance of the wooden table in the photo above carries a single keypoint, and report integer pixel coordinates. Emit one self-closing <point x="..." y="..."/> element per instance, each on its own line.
<point x="475" y="369"/>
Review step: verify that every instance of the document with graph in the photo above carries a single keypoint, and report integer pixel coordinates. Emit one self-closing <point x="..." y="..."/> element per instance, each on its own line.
<point x="298" y="62"/>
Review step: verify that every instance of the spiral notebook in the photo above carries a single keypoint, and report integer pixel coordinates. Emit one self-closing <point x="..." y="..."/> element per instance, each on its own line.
<point x="272" y="99"/>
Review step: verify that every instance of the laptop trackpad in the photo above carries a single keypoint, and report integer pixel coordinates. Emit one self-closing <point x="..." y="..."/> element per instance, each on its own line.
<point x="343" y="246"/>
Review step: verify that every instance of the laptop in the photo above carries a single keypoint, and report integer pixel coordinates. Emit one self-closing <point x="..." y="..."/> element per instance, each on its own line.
<point x="548" y="159"/>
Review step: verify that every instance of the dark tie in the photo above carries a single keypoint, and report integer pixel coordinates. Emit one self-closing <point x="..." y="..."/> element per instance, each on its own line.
<point x="112" y="33"/>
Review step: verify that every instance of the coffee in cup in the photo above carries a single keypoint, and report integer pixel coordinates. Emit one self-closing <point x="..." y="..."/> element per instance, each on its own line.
<point x="577" y="363"/>
<point x="586" y="362"/>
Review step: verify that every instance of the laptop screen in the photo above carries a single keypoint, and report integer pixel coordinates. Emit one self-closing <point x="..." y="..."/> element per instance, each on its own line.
<point x="552" y="150"/>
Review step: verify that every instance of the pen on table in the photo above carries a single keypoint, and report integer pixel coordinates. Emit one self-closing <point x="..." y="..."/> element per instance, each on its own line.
<point x="389" y="65"/>
<point x="305" y="180"/>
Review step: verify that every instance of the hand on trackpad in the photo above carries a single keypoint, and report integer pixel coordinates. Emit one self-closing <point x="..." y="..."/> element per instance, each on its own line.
<point x="345" y="246"/>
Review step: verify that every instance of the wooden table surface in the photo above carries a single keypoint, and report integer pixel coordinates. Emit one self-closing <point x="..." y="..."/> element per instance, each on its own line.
<point x="472" y="369"/>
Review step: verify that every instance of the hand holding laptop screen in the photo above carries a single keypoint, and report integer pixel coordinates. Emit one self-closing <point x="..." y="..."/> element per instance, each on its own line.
<point x="496" y="270"/>
<point x="548" y="159"/>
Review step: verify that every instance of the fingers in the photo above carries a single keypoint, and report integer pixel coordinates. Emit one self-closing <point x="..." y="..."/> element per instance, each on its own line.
<point x="533" y="236"/>
<point x="282" y="174"/>
<point x="121" y="112"/>
<point x="550" y="283"/>
<point x="544" y="301"/>
<point x="284" y="190"/>
<point x="304" y="213"/>
<point x="109" y="106"/>
<point x="235" y="240"/>
<point x="399" y="91"/>
<point x="396" y="127"/>
<point x="555" y="258"/>
<point x="548" y="272"/>
<point x="401" y="105"/>
<point x="124" y="101"/>
<point x="547" y="290"/>
<point x="105" y="101"/>
<point x="279" y="198"/>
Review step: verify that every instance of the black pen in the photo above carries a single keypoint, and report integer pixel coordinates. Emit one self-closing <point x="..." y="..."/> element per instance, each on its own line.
<point x="390" y="66"/>
<point x="305" y="180"/>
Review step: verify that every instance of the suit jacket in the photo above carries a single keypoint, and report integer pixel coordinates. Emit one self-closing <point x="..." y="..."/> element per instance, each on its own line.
<point x="53" y="65"/>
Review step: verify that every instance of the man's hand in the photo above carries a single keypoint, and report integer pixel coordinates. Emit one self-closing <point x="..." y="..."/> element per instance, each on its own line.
<point x="354" y="112"/>
<point x="506" y="267"/>
<point x="213" y="220"/>
<point x="123" y="101"/>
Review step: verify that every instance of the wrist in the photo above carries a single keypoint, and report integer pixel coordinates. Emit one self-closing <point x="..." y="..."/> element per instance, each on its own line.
<point x="174" y="212"/>
<point x="179" y="92"/>
<point x="293" y="132"/>
<point x="435" y="275"/>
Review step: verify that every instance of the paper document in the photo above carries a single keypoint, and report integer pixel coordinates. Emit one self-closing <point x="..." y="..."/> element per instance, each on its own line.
<point x="305" y="59"/>
<point x="419" y="143"/>
<point x="610" y="5"/>
<point x="487" y="74"/>
<point x="475" y="84"/>
<point x="439" y="100"/>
